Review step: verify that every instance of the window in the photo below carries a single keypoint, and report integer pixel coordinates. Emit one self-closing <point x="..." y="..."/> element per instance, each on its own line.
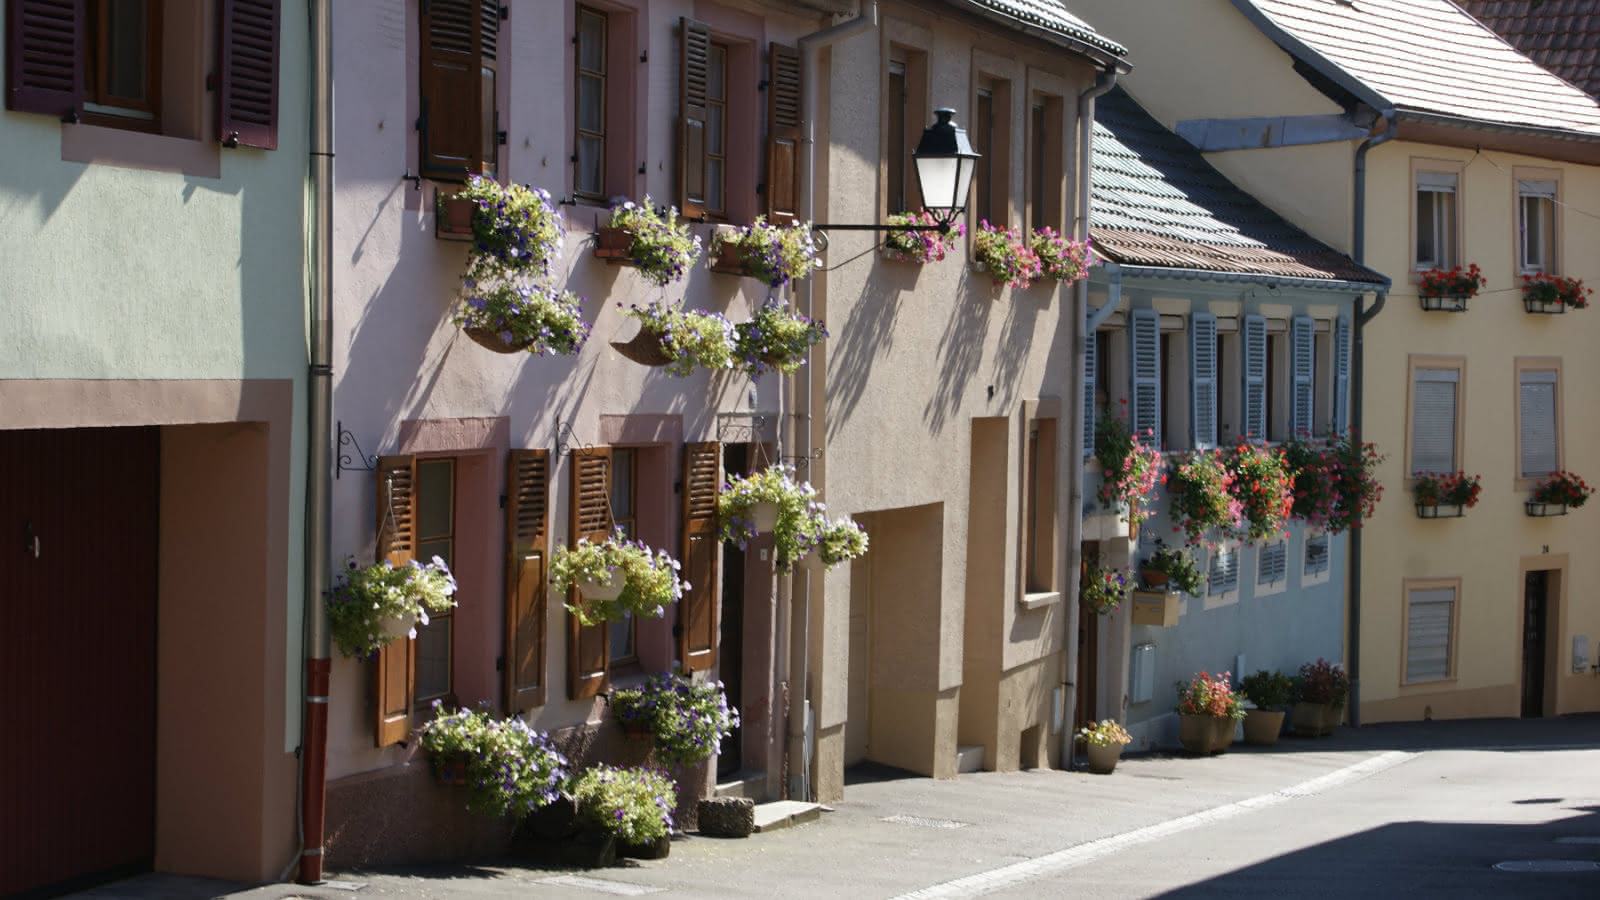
<point x="718" y="156"/>
<point x="603" y="65"/>
<point x="1430" y="618"/>
<point x="717" y="130"/>
<point x="1045" y="180"/>
<point x="1039" y="531"/>
<point x="1222" y="575"/>
<point x="1435" y="430"/>
<point x="905" y="112"/>
<point x="1536" y="222"/>
<point x="590" y="156"/>
<point x="1435" y="219"/>
<point x="624" y="518"/>
<point x="1230" y="380"/>
<point x="458" y="122"/>
<point x="436" y="487"/>
<point x="1538" y="419"/>
<point x="991" y="137"/>
<point x="1318" y="554"/>
<point x="125" y="64"/>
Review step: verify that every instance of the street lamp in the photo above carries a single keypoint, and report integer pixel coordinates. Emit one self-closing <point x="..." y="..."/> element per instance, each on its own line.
<point x="944" y="160"/>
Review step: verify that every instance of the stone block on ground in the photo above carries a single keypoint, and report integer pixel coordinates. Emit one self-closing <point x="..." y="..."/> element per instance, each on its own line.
<point x="727" y="816"/>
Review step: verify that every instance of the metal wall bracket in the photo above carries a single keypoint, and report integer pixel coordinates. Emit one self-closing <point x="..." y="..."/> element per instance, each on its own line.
<point x="567" y="440"/>
<point x="360" y="462"/>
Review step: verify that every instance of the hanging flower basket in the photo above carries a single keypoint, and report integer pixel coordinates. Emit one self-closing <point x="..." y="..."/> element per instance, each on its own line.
<point x="801" y="525"/>
<point x="1447" y="290"/>
<point x="601" y="590"/>
<point x="611" y="244"/>
<point x="649" y="239"/>
<point x="489" y="339"/>
<point x="637" y="579"/>
<point x="647" y="348"/>
<point x="775" y="338"/>
<point x="764" y="516"/>
<point x="508" y="315"/>
<point x="775" y="254"/>
<point x="370" y="606"/>
<point x="679" y="339"/>
<point x="1446" y="495"/>
<point x="1540" y="510"/>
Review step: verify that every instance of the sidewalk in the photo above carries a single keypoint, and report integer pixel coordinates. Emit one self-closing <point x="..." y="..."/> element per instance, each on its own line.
<point x="897" y="833"/>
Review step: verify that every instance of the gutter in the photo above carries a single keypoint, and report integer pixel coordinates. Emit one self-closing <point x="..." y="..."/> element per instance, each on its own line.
<point x="796" y="589"/>
<point x="1447" y="120"/>
<point x="1337" y="285"/>
<point x="1081" y="327"/>
<point x="319" y="416"/>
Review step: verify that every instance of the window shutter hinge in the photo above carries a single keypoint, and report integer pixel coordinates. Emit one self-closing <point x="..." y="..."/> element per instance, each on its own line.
<point x="572" y="158"/>
<point x="502" y="501"/>
<point x="500" y="138"/>
<point x="421" y="121"/>
<point x="70" y="116"/>
<point x="677" y="631"/>
<point x="644" y="57"/>
<point x="641" y="168"/>
<point x="211" y="81"/>
<point x="574" y="40"/>
<point x="761" y="188"/>
<point x="761" y="85"/>
<point x="505" y="13"/>
<point x="499" y="663"/>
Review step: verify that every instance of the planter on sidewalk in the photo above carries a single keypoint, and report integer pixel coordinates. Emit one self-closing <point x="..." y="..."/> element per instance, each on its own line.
<point x="1262" y="726"/>
<point x="1103" y="757"/>
<point x="1315" y="719"/>
<point x="1202" y="735"/>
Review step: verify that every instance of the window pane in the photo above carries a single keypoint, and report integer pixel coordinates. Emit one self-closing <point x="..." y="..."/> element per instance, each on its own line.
<point x="982" y="133"/>
<point x="1433" y="426"/>
<point x="716" y="73"/>
<point x="895" y="147"/>
<point x="1037" y="152"/>
<point x="591" y="104"/>
<point x="1445" y="215"/>
<point x="591" y="41"/>
<point x="622" y="638"/>
<point x="435" y="500"/>
<point x="1427" y="245"/>
<point x="125" y="49"/>
<point x="716" y="130"/>
<point x="622" y="490"/>
<point x="590" y="153"/>
<point x="714" y="178"/>
<point x="433" y="658"/>
<point x="490" y="123"/>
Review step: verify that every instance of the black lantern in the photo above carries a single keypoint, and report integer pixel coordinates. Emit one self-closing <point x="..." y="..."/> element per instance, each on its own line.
<point x="945" y="161"/>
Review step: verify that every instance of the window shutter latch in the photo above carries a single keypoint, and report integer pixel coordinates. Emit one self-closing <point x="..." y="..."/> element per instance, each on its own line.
<point x="505" y="13"/>
<point x="500" y="138"/>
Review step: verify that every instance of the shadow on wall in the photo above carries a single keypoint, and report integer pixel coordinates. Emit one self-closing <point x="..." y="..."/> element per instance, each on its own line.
<point x="960" y="348"/>
<point x="866" y="336"/>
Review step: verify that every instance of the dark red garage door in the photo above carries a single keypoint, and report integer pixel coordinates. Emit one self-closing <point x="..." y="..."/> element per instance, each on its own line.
<point x="78" y="539"/>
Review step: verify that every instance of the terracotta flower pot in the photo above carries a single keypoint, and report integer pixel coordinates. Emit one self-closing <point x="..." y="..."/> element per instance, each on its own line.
<point x="612" y="244"/>
<point x="1154" y="578"/>
<point x="1262" y="726"/>
<point x="1103" y="757"/>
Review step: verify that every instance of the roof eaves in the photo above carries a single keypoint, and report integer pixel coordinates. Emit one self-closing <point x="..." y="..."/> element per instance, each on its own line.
<point x="1538" y="131"/>
<point x="1303" y="52"/>
<point x="1128" y="270"/>
<point x="1103" y="50"/>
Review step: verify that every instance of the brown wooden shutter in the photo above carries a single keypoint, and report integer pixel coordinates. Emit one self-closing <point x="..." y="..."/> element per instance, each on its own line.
<point x="528" y="534"/>
<point x="396" y="670"/>
<point x="783" y="134"/>
<point x="247" y="92"/>
<point x="589" y="646"/>
<point x="44" y="56"/>
<point x="694" y="66"/>
<point x="458" y="122"/>
<point x="697" y="611"/>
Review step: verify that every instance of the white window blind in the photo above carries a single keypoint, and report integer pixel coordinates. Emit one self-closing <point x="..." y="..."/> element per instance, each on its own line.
<point x="1273" y="563"/>
<point x="1537" y="420"/>
<point x="1529" y="188"/>
<point x="1253" y="332"/>
<point x="1433" y="420"/>
<point x="1341" y="375"/>
<point x="1144" y="333"/>
<point x="1317" y="554"/>
<point x="1223" y="575"/>
<point x="1302" y="353"/>
<point x="1436" y="181"/>
<point x="1203" y="379"/>
<point x="1428" y="620"/>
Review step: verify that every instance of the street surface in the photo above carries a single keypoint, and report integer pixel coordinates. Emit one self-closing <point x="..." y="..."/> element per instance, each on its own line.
<point x="1421" y="809"/>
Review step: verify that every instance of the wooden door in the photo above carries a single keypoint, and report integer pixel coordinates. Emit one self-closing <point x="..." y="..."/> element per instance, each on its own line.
<point x="1534" y="623"/>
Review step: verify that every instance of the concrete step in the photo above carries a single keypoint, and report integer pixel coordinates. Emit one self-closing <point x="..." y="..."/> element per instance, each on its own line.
<point x="784" y="813"/>
<point x="969" y="759"/>
<point x="747" y="784"/>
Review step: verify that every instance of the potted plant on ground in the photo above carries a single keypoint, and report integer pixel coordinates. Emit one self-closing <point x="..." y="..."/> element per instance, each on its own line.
<point x="649" y="239"/>
<point x="512" y="315"/>
<point x="1262" y="486"/>
<point x="1269" y="693"/>
<point x="1060" y="258"/>
<point x="1557" y="493"/>
<point x="632" y="805"/>
<point x="1005" y="255"/>
<point x="1543" y="293"/>
<point x="515" y="229"/>
<point x="679" y="339"/>
<point x="1202" y="499"/>
<point x="1319" y="698"/>
<point x="371" y="606"/>
<point x="1208" y="712"/>
<point x="920" y="246"/>
<point x="508" y="767"/>
<point x="1445" y="495"/>
<point x="1105" y="590"/>
<point x="1129" y="468"/>
<point x="1448" y="290"/>
<point x="687" y="718"/>
<point x="616" y="577"/>
<point x="1103" y="742"/>
<point x="774" y="254"/>
<point x="776" y="337"/>
<point x="1172" y="568"/>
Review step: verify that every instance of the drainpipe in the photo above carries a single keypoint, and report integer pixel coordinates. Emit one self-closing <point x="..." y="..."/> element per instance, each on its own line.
<point x="1358" y="373"/>
<point x="1105" y="81"/>
<point x="800" y="442"/>
<point x="319" y="413"/>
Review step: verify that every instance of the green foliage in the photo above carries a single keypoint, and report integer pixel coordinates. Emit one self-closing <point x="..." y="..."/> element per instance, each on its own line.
<point x="775" y="338"/>
<point x="510" y="767"/>
<point x="633" y="804"/>
<point x="688" y="718"/>
<point x="362" y="600"/>
<point x="1178" y="565"/>
<point x="1267" y="690"/>
<point x="662" y="248"/>
<point x="649" y="578"/>
<point x="689" y="338"/>
<point x="803" y="525"/>
<point x="1104" y="733"/>
<point x="773" y="253"/>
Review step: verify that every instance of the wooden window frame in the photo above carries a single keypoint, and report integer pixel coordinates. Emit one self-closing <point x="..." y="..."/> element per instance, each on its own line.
<point x="1040" y="564"/>
<point x="992" y="180"/>
<point x="100" y="107"/>
<point x="1046" y="164"/>
<point x="1553" y="253"/>
<point x="1538" y="364"/>
<point x="717" y="208"/>
<point x="448" y="695"/>
<point x="1408" y="587"/>
<point x="579" y="133"/>
<point x="1457" y="169"/>
<point x="1414" y="364"/>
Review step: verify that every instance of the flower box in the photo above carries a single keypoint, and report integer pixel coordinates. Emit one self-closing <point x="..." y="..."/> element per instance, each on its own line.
<point x="728" y="261"/>
<point x="1156" y="608"/>
<point x="1444" y="302"/>
<point x="1440" y="510"/>
<point x="1545" y="307"/>
<point x="1315" y="719"/>
<point x="1539" y="510"/>
<point x="452" y="220"/>
<point x="612" y="244"/>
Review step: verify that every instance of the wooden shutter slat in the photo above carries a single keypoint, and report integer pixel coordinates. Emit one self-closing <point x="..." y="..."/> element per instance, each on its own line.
<point x="1302" y="358"/>
<point x="396" y="669"/>
<point x="528" y="539"/>
<point x="694" y="67"/>
<point x="783" y="134"/>
<point x="1341" y="375"/>
<point x="457" y="71"/>
<point x="44" y="56"/>
<point x="1203" y="379"/>
<point x="697" y="610"/>
<point x="1253" y="333"/>
<point x="247" y="92"/>
<point x="1144" y="332"/>
<point x="588" y="646"/>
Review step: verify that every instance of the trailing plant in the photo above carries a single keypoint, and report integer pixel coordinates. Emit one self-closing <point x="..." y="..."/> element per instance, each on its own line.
<point x="363" y="600"/>
<point x="1105" y="589"/>
<point x="775" y="254"/>
<point x="1205" y="695"/>
<point x="1353" y="471"/>
<point x="688" y="718"/>
<point x="1447" y="488"/>
<point x="1563" y="487"/>
<point x="662" y="248"/>
<point x="515" y="229"/>
<point x="1006" y="255"/>
<point x="1263" y="488"/>
<point x="649" y="578"/>
<point x="1202" y="499"/>
<point x="510" y="767"/>
<point x="841" y="540"/>
<point x="1061" y="258"/>
<point x="802" y="522"/>
<point x="1314" y="474"/>
<point x="1179" y="567"/>
<point x="1569" y="292"/>
<point x="775" y="338"/>
<point x="1322" y="682"/>
<point x="1129" y="468"/>
<point x="1267" y="690"/>
<point x="531" y="314"/>
<point x="634" y="804"/>
<point x="1105" y="733"/>
<point x="1453" y="282"/>
<point x="920" y="246"/>
<point x="689" y="338"/>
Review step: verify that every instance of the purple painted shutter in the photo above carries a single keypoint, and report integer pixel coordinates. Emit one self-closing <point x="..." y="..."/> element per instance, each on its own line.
<point x="247" y="89"/>
<point x="44" y="56"/>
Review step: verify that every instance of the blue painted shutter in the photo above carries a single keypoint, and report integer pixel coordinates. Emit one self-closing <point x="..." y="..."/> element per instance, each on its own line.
<point x="1253" y="335"/>
<point x="1088" y="392"/>
<point x="1341" y="375"/>
<point x="1144" y="331"/>
<point x="1302" y="371"/>
<point x="1203" y="379"/>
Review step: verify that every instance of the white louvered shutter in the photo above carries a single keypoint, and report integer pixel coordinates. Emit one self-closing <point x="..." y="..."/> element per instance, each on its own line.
<point x="1223" y="573"/>
<point x="1144" y="331"/>
<point x="1302" y="357"/>
<point x="1088" y="392"/>
<point x="1341" y="375"/>
<point x="1274" y="563"/>
<point x="1203" y="379"/>
<point x="1428" y="634"/>
<point x="1537" y="419"/>
<point x="1317" y="555"/>
<point x="1433" y="420"/>
<point x="1253" y="333"/>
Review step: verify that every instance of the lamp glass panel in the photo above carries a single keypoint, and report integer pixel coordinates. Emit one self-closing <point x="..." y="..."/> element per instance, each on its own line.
<point x="936" y="176"/>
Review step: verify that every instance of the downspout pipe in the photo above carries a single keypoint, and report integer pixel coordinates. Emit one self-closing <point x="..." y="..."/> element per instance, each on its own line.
<point x="1358" y="375"/>
<point x="799" y="436"/>
<point x="1105" y="81"/>
<point x="319" y="416"/>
